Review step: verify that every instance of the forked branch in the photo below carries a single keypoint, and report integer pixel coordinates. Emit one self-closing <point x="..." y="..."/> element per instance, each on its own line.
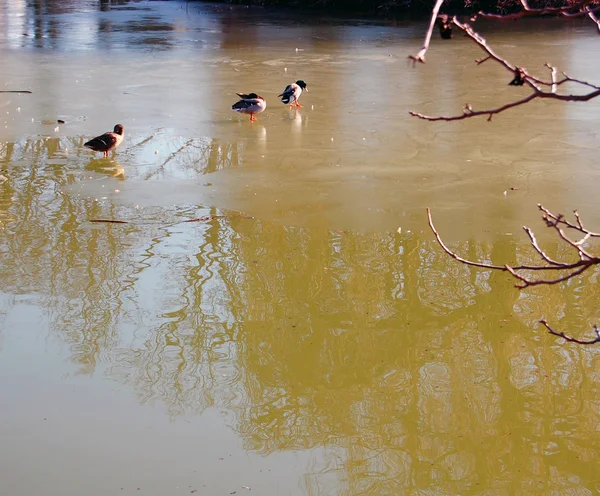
<point x="520" y="77"/>
<point x="565" y="270"/>
<point x="576" y="9"/>
<point x="540" y="88"/>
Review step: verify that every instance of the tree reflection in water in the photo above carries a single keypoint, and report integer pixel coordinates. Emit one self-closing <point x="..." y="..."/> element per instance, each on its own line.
<point x="402" y="364"/>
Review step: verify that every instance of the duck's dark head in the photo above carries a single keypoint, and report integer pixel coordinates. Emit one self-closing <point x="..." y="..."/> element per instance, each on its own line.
<point x="252" y="95"/>
<point x="302" y="84"/>
<point x="119" y="129"/>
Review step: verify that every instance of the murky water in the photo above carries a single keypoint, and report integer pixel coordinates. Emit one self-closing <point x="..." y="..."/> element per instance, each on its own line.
<point x="290" y="341"/>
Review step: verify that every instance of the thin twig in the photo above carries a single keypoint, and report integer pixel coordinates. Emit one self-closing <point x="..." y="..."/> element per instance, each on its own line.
<point x="583" y="255"/>
<point x="537" y="247"/>
<point x="571" y="339"/>
<point x="454" y="255"/>
<point x="552" y="76"/>
<point x="474" y="113"/>
<point x="547" y="282"/>
<point x="559" y="218"/>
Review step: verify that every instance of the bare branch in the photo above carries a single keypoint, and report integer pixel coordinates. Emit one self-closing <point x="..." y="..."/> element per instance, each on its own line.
<point x="552" y="76"/>
<point x="560" y="219"/>
<point x="593" y="17"/>
<point x="474" y="113"/>
<point x="561" y="334"/>
<point x="537" y="248"/>
<point x="420" y="57"/>
<point x="583" y="255"/>
<point x="573" y="10"/>
<point x="584" y="11"/>
<point x="548" y="282"/>
<point x="579" y="221"/>
<point x="568" y="79"/>
<point x="480" y="40"/>
<point x="454" y="255"/>
<point x="570" y="270"/>
<point x="557" y="267"/>
<point x="520" y="77"/>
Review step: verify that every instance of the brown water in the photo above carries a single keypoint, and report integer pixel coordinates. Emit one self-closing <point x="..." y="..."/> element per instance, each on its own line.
<point x="294" y="342"/>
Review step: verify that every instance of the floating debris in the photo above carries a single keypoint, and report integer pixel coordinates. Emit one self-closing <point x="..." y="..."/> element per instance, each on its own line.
<point x="110" y="221"/>
<point x="205" y="218"/>
<point x="198" y="219"/>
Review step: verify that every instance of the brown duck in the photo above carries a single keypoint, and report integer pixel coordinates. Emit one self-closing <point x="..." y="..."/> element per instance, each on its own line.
<point x="249" y="104"/>
<point x="107" y="141"/>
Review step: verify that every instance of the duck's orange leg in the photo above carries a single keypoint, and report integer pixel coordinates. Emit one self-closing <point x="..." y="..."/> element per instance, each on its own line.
<point x="297" y="105"/>
<point x="252" y="118"/>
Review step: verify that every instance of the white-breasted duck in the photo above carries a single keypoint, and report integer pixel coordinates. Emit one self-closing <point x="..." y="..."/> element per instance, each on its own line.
<point x="292" y="93"/>
<point x="107" y="141"/>
<point x="249" y="103"/>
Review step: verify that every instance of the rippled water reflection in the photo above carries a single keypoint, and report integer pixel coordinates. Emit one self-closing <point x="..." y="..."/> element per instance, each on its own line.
<point x="289" y="339"/>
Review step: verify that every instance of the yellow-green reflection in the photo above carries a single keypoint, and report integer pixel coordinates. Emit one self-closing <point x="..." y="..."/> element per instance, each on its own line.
<point x="411" y="370"/>
<point x="315" y="326"/>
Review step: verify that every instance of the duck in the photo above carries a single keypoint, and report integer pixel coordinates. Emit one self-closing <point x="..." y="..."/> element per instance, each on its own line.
<point x="292" y="93"/>
<point x="250" y="103"/>
<point x="107" y="141"/>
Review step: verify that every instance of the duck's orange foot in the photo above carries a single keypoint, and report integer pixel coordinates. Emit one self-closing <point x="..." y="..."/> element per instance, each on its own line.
<point x="298" y="105"/>
<point x="252" y="118"/>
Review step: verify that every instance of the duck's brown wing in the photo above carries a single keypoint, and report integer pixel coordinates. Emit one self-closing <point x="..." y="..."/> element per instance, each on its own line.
<point x="103" y="143"/>
<point x="244" y="104"/>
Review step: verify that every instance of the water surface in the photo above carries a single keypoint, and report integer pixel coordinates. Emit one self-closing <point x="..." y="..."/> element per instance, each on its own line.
<point x="293" y="340"/>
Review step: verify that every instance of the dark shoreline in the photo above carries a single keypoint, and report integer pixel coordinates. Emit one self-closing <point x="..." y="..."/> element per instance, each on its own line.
<point x="374" y="9"/>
